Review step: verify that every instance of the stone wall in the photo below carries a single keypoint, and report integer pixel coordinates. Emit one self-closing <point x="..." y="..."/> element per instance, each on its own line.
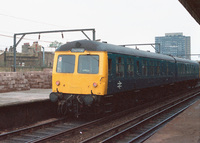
<point x="16" y="81"/>
<point x="10" y="81"/>
<point x="39" y="79"/>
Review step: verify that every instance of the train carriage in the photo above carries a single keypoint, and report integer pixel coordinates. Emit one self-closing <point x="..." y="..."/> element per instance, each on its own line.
<point x="137" y="70"/>
<point x="187" y="71"/>
<point x="85" y="72"/>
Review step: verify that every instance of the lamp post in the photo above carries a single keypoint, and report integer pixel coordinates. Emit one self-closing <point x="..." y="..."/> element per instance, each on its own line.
<point x="43" y="57"/>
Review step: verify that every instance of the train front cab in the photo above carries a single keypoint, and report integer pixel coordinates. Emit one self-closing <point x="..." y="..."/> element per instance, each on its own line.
<point x="79" y="78"/>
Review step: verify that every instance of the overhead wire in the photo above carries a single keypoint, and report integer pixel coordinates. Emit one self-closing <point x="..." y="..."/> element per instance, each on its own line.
<point x="29" y="20"/>
<point x="6" y="35"/>
<point x="26" y="19"/>
<point x="25" y="38"/>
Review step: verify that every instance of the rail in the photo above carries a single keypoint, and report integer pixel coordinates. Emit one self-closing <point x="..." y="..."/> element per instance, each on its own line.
<point x="139" y="132"/>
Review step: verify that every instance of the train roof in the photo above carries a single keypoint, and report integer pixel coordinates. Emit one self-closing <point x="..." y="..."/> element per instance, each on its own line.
<point x="181" y="60"/>
<point x="99" y="46"/>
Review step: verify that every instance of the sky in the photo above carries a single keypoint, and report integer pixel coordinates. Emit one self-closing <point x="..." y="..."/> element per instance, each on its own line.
<point x="115" y="21"/>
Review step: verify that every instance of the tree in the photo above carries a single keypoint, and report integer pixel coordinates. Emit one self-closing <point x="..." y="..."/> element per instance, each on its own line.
<point x="55" y="44"/>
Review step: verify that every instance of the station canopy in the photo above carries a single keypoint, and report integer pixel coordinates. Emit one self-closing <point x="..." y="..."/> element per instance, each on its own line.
<point x="193" y="7"/>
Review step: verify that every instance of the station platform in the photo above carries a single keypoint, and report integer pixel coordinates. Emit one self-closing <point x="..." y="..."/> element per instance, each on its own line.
<point x="27" y="96"/>
<point x="185" y="128"/>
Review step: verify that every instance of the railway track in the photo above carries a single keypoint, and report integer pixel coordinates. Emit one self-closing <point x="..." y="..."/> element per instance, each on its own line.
<point x="142" y="127"/>
<point x="19" y="134"/>
<point x="40" y="132"/>
<point x="59" y="131"/>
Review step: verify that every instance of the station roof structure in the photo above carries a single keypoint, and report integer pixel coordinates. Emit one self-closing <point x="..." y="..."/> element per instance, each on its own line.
<point x="193" y="7"/>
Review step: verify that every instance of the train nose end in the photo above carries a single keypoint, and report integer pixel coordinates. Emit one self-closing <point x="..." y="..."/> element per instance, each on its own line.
<point x="53" y="97"/>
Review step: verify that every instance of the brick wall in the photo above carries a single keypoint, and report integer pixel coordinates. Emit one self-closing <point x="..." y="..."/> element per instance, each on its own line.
<point x="16" y="81"/>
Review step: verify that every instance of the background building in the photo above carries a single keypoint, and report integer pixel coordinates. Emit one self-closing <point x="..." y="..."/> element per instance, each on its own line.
<point x="31" y="57"/>
<point x="175" y="44"/>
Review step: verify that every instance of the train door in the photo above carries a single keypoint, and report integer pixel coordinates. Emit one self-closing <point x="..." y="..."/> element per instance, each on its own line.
<point x="111" y="72"/>
<point x="110" y="68"/>
<point x="138" y="73"/>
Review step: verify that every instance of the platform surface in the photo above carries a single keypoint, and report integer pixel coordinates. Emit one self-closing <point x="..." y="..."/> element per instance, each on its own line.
<point x="19" y="97"/>
<point x="185" y="128"/>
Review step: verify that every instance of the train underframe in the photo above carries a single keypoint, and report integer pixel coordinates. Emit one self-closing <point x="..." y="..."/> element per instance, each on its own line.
<point x="96" y="104"/>
<point x="76" y="104"/>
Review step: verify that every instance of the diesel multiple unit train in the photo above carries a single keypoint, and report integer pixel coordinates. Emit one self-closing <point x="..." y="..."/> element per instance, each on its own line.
<point x="88" y="73"/>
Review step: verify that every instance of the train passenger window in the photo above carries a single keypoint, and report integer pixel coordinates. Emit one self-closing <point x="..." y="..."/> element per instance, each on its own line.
<point x="151" y="68"/>
<point x="196" y="69"/>
<point x="138" y="68"/>
<point x="144" y="68"/>
<point x="163" y="72"/>
<point x="88" y="64"/>
<point x="65" y="64"/>
<point x="192" y="68"/>
<point x="178" y="69"/>
<point x="119" y="67"/>
<point x="109" y="66"/>
<point x="188" y="69"/>
<point x="185" y="69"/>
<point x="167" y="67"/>
<point x="158" y="68"/>
<point x="130" y="67"/>
<point x="181" y="70"/>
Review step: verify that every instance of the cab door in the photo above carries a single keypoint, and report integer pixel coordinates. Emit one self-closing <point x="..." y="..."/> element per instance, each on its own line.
<point x="138" y="73"/>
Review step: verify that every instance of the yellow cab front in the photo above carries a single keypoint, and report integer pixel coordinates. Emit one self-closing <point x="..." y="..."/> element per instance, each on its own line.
<point x="80" y="72"/>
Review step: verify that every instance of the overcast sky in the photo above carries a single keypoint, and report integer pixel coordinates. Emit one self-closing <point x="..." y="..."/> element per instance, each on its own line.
<point x="116" y="21"/>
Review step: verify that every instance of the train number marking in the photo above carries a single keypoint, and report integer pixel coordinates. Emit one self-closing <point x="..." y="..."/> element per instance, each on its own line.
<point x="119" y="84"/>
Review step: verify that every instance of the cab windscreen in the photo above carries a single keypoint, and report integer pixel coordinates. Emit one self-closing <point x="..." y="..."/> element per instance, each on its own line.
<point x="65" y="64"/>
<point x="88" y="64"/>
